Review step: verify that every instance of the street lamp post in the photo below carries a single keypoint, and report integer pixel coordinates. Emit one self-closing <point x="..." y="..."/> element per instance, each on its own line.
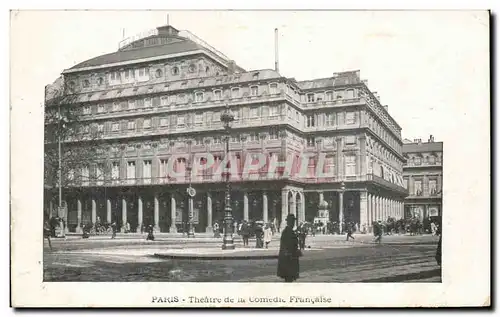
<point x="228" y="243"/>
<point x="191" y="193"/>
<point x="341" y="206"/>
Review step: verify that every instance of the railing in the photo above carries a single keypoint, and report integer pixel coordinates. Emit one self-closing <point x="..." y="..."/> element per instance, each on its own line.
<point x="208" y="177"/>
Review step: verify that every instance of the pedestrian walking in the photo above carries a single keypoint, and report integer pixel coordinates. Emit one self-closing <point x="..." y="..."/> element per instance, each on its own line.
<point x="113" y="230"/>
<point x="259" y="236"/>
<point x="245" y="232"/>
<point x="47" y="231"/>
<point x="349" y="231"/>
<point x="438" y="251"/>
<point x="302" y="233"/>
<point x="377" y="231"/>
<point x="216" y="230"/>
<point x="268" y="234"/>
<point x="288" y="259"/>
<point x="150" y="231"/>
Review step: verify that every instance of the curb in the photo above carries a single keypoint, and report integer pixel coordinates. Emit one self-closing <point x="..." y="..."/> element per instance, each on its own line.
<point x="213" y="257"/>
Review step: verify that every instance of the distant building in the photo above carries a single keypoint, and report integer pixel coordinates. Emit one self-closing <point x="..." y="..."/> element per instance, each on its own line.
<point x="160" y="98"/>
<point x="423" y="176"/>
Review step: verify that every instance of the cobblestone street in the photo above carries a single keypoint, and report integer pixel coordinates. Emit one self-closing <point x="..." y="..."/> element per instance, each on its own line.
<point x="329" y="259"/>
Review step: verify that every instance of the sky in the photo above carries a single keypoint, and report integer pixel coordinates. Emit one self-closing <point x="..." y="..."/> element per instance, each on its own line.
<point x="416" y="61"/>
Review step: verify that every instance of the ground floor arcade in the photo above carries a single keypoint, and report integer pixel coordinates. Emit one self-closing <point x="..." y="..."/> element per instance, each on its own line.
<point x="167" y="208"/>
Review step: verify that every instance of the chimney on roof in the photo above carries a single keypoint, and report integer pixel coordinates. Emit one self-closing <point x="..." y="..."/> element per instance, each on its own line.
<point x="231" y="67"/>
<point x="386" y="107"/>
<point x="167" y="30"/>
<point x="431" y="138"/>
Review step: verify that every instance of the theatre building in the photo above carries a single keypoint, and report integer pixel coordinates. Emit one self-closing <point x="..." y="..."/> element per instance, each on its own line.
<point x="423" y="175"/>
<point x="160" y="97"/>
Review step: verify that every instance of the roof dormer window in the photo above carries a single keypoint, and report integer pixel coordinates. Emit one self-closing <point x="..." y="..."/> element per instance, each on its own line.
<point x="159" y="73"/>
<point x="86" y="83"/>
<point x="175" y="70"/>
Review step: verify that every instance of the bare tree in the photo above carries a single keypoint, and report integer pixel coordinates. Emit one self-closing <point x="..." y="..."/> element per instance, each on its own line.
<point x="79" y="138"/>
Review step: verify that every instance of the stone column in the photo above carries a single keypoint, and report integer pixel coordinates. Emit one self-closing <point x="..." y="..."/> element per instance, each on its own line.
<point x="124" y="214"/>
<point x="79" y="216"/>
<point x="369" y="217"/>
<point x="284" y="207"/>
<point x="302" y="212"/>
<point x="209" y="228"/>
<point x="173" y="209"/>
<point x="341" y="210"/>
<point x="156" y="213"/>
<point x="264" y="207"/>
<point x="94" y="211"/>
<point x="108" y="210"/>
<point x="245" y="206"/>
<point x="293" y="205"/>
<point x="139" y="214"/>
<point x="363" y="209"/>
<point x="51" y="209"/>
<point x="378" y="209"/>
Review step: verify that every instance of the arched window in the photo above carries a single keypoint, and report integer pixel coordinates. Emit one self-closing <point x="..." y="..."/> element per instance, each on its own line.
<point x="86" y="83"/>
<point x="175" y="70"/>
<point x="159" y="73"/>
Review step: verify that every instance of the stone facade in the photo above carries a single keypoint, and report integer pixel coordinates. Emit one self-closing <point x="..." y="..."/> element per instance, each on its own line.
<point x="423" y="176"/>
<point x="149" y="110"/>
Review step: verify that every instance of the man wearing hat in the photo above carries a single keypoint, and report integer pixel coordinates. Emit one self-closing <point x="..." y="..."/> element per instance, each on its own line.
<point x="288" y="259"/>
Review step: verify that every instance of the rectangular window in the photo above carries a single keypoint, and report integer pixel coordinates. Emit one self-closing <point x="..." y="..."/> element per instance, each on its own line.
<point x="116" y="106"/>
<point x="254" y="112"/>
<point x="147" y="123"/>
<point x="86" y="110"/>
<point x="218" y="95"/>
<point x="131" y="104"/>
<point x="273" y="135"/>
<point x="330" y="119"/>
<point x="253" y="137"/>
<point x="164" y="100"/>
<point x="198" y="97"/>
<point x="131" y="170"/>
<point x="131" y="125"/>
<point x="163" y="122"/>
<point x="146" y="169"/>
<point x="147" y="102"/>
<point x="198" y="119"/>
<point x="310" y="121"/>
<point x="181" y="121"/>
<point x="310" y="97"/>
<point x="100" y="127"/>
<point x="310" y="141"/>
<point x="216" y="117"/>
<point x="235" y="92"/>
<point x="274" y="111"/>
<point x="350" y="118"/>
<point x="198" y="141"/>
<point x="329" y="96"/>
<point x="254" y="91"/>
<point x="217" y="140"/>
<point x="100" y="108"/>
<point x="85" y="175"/>
<point x="350" y="165"/>
<point x="273" y="89"/>
<point x="405" y="182"/>
<point x="163" y="167"/>
<point x="115" y="127"/>
<point x="350" y="93"/>
<point x="115" y="170"/>
<point x="417" y="188"/>
<point x="432" y="187"/>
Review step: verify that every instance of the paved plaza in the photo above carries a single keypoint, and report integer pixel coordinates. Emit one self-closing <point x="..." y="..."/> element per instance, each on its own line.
<point x="130" y="258"/>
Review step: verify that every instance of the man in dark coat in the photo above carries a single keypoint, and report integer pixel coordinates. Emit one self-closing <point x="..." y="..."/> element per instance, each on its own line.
<point x="113" y="228"/>
<point x="349" y="227"/>
<point x="150" y="231"/>
<point x="438" y="251"/>
<point x="245" y="232"/>
<point x="288" y="259"/>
